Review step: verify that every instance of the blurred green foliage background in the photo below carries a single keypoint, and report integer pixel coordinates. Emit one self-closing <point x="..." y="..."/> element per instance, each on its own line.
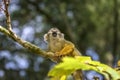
<point x="92" y="25"/>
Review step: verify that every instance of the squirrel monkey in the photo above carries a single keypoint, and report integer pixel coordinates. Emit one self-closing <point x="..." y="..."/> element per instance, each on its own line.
<point x="58" y="45"/>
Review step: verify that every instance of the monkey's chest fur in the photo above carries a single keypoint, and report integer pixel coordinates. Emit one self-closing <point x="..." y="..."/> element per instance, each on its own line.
<point x="56" y="45"/>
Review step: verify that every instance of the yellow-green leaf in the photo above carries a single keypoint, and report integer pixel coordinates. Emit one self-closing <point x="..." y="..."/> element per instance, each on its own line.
<point x="70" y="64"/>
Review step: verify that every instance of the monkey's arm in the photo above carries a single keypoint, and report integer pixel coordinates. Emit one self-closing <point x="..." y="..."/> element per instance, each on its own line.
<point x="68" y="49"/>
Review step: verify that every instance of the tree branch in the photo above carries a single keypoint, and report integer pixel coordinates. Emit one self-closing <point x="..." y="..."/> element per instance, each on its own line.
<point x="31" y="47"/>
<point x="8" y="32"/>
<point x="115" y="31"/>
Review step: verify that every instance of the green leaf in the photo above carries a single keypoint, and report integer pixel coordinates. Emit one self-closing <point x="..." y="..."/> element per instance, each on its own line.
<point x="70" y="64"/>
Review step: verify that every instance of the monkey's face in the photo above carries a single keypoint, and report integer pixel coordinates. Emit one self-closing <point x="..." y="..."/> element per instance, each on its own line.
<point x="53" y="34"/>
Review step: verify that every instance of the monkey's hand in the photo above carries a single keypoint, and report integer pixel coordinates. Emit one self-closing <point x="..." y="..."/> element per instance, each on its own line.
<point x="67" y="50"/>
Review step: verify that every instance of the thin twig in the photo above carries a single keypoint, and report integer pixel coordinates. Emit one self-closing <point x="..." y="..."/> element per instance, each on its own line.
<point x="6" y="12"/>
<point x="1" y="9"/>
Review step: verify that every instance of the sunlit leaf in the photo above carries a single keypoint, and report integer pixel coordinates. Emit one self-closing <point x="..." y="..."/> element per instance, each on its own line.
<point x="63" y="77"/>
<point x="69" y="65"/>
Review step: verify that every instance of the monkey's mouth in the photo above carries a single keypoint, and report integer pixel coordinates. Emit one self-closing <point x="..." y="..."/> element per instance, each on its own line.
<point x="54" y="34"/>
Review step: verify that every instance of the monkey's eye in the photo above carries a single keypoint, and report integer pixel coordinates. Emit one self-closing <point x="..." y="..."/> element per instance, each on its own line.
<point x="54" y="34"/>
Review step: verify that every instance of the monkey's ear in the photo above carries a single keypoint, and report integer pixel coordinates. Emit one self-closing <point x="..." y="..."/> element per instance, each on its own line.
<point x="45" y="37"/>
<point x="62" y="35"/>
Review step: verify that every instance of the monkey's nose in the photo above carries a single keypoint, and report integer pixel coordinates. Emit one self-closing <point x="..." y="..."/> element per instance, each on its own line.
<point x="54" y="34"/>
